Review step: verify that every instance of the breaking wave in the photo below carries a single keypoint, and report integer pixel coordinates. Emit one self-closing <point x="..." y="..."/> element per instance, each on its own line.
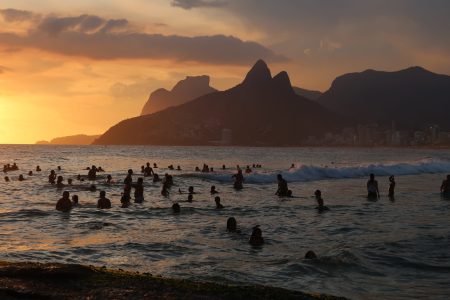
<point x="313" y="173"/>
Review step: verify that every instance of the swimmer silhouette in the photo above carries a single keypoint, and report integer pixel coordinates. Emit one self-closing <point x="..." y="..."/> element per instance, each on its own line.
<point x="52" y="177"/>
<point x="238" y="180"/>
<point x="139" y="191"/>
<point x="59" y="182"/>
<point x="445" y="187"/>
<point x="372" y="188"/>
<point x="231" y="224"/>
<point x="310" y="255"/>
<point x="190" y="198"/>
<point x="391" y="191"/>
<point x="320" y="207"/>
<point x="176" y="208"/>
<point x="213" y="190"/>
<point x="75" y="200"/>
<point x="103" y="202"/>
<point x="64" y="204"/>
<point x="256" y="238"/>
<point x="282" y="190"/>
<point x="218" y="205"/>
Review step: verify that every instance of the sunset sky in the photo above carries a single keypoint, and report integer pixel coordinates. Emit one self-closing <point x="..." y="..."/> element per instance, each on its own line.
<point x="69" y="67"/>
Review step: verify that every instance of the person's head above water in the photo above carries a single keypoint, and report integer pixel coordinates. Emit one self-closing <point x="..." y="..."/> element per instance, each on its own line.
<point x="140" y="180"/>
<point x="279" y="177"/>
<point x="217" y="200"/>
<point x="176" y="208"/>
<point x="318" y="193"/>
<point x="102" y="194"/>
<point x="75" y="198"/>
<point x="391" y="178"/>
<point x="60" y="179"/>
<point x="372" y="176"/>
<point x="130" y="171"/>
<point x="66" y="194"/>
<point x="310" y="255"/>
<point x="256" y="232"/>
<point x="6" y="178"/>
<point x="231" y="224"/>
<point x="191" y="189"/>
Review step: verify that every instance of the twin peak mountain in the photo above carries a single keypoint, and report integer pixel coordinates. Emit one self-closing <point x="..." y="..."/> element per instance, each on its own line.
<point x="262" y="110"/>
<point x="267" y="111"/>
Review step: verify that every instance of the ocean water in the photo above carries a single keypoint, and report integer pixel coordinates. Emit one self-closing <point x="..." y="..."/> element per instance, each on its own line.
<point x="366" y="250"/>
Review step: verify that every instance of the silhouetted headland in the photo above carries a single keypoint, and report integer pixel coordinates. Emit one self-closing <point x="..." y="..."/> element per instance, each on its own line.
<point x="79" y="139"/>
<point x="413" y="98"/>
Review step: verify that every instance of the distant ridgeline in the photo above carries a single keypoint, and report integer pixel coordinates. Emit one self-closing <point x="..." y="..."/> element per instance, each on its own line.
<point x="260" y="111"/>
<point x="80" y="139"/>
<point x="267" y="111"/>
<point x="184" y="91"/>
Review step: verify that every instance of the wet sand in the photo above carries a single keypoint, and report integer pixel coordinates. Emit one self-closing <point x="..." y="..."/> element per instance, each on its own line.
<point x="67" y="281"/>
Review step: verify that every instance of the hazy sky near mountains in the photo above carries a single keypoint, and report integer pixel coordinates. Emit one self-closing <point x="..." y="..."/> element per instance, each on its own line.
<point x="81" y="66"/>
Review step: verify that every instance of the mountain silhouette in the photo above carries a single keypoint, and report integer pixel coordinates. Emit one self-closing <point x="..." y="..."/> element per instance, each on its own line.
<point x="413" y="97"/>
<point x="309" y="94"/>
<point x="260" y="111"/>
<point x="79" y="139"/>
<point x="184" y="91"/>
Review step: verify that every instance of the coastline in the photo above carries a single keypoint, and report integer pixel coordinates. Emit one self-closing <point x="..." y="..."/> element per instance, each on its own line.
<point x="30" y="280"/>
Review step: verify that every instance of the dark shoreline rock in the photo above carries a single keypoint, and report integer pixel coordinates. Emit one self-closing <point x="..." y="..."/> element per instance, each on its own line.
<point x="26" y="280"/>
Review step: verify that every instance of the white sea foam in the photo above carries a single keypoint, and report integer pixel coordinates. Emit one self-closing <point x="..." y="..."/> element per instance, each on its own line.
<point x="312" y="172"/>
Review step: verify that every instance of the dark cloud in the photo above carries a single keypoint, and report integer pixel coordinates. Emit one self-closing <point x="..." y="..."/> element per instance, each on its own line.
<point x="15" y="15"/>
<point x="188" y="4"/>
<point x="54" y="25"/>
<point x="98" y="38"/>
<point x="350" y="33"/>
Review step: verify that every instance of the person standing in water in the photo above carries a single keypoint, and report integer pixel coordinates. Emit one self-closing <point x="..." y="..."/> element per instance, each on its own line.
<point x="129" y="179"/>
<point x="52" y="177"/>
<point x="391" y="187"/>
<point x="320" y="206"/>
<point x="92" y="174"/>
<point x="372" y="188"/>
<point x="445" y="187"/>
<point x="238" y="180"/>
<point x="64" y="204"/>
<point x="139" y="191"/>
<point x="148" y="171"/>
<point x="103" y="202"/>
<point x="282" y="190"/>
<point x="218" y="204"/>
